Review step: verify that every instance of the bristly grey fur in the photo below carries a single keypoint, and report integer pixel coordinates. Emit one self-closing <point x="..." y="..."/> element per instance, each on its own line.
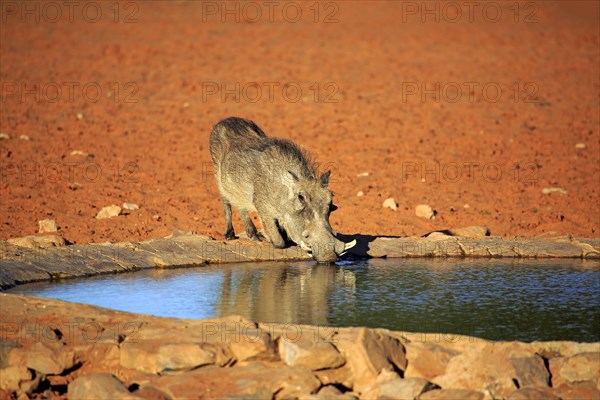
<point x="275" y="178"/>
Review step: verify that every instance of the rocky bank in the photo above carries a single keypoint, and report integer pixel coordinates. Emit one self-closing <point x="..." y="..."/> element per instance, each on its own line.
<point x="55" y="348"/>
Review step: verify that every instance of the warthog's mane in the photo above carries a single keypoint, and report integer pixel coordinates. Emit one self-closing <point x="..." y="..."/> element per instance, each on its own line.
<point x="299" y="160"/>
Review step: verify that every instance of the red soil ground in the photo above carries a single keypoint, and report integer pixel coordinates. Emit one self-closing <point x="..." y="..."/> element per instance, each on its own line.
<point x="406" y="94"/>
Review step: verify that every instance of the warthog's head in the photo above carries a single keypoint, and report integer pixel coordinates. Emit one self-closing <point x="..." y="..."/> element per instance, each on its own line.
<point x="306" y="217"/>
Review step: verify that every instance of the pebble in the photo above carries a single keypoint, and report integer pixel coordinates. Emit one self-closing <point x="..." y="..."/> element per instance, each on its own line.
<point x="75" y="185"/>
<point x="24" y="137"/>
<point x="360" y="193"/>
<point x="130" y="206"/>
<point x="186" y="104"/>
<point x="363" y="174"/>
<point x="109" y="212"/>
<point x="79" y="116"/>
<point x="466" y="206"/>
<point x="4" y="136"/>
<point x="554" y="190"/>
<point x="580" y="146"/>
<point x="156" y="217"/>
<point x="47" y="226"/>
<point x="390" y="203"/>
<point x="424" y="211"/>
<point x="79" y="153"/>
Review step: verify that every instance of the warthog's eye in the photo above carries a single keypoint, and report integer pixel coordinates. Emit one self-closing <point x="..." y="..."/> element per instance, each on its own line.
<point x="301" y="199"/>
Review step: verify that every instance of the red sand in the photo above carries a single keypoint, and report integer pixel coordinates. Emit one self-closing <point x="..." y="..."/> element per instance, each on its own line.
<point x="358" y="91"/>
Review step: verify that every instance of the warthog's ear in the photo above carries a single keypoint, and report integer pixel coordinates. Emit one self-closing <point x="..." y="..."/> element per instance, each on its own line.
<point x="290" y="180"/>
<point x="325" y="178"/>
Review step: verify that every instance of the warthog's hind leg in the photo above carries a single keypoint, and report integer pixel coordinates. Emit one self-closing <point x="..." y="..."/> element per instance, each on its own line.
<point x="229" y="233"/>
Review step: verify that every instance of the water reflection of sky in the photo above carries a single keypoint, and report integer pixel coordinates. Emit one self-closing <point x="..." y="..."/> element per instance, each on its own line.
<point x="507" y="300"/>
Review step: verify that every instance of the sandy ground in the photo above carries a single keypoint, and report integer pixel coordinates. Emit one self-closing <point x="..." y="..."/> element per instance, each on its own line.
<point x="473" y="111"/>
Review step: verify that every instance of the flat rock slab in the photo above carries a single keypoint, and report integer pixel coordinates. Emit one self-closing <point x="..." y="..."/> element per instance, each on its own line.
<point x="30" y="264"/>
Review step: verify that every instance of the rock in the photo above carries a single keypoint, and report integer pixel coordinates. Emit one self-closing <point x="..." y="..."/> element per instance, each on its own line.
<point x="489" y="368"/>
<point x="79" y="153"/>
<point x="578" y="390"/>
<point x="368" y="352"/>
<point x="310" y="353"/>
<point x="438" y="236"/>
<point x="38" y="242"/>
<point x="109" y="212"/>
<point x="472" y="232"/>
<point x="338" y="376"/>
<point x="49" y="361"/>
<point x="75" y="185"/>
<point x="252" y="344"/>
<point x="250" y="380"/>
<point x="360" y="193"/>
<point x="452" y="394"/>
<point x="390" y="203"/>
<point x="47" y="226"/>
<point x="580" y="146"/>
<point x="130" y="206"/>
<point x="100" y="386"/>
<point x="533" y="393"/>
<point x="554" y="190"/>
<point x="401" y="389"/>
<point x="426" y="360"/>
<point x="531" y="371"/>
<point x="12" y="377"/>
<point x="147" y="357"/>
<point x="424" y="211"/>
<point x="4" y="136"/>
<point x="578" y="368"/>
<point x="24" y="137"/>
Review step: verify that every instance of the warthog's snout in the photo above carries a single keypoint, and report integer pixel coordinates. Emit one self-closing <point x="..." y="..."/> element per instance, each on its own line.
<point x="329" y="252"/>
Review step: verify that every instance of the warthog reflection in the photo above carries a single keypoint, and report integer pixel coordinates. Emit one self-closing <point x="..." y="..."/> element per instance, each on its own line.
<point x="294" y="294"/>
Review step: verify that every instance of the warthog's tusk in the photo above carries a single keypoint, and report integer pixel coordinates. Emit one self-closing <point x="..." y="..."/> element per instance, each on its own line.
<point x="304" y="247"/>
<point x="349" y="245"/>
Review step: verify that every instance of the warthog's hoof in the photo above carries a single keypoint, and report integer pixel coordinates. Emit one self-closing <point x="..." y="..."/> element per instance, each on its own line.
<point x="279" y="245"/>
<point x="259" y="237"/>
<point x="229" y="235"/>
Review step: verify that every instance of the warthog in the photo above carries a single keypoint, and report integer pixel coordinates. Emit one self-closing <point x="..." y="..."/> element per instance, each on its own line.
<point x="274" y="178"/>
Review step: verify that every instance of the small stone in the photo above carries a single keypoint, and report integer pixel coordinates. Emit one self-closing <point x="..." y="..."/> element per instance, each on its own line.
<point x="130" y="206"/>
<point x="75" y="185"/>
<point x="79" y="153"/>
<point x="186" y="104"/>
<point x="362" y="174"/>
<point x="408" y="388"/>
<point x="156" y="217"/>
<point x="390" y="203"/>
<point x="466" y="206"/>
<point x="4" y="136"/>
<point x="109" y="212"/>
<point x="580" y="146"/>
<point x="472" y="232"/>
<point x="47" y="226"/>
<point x="24" y="137"/>
<point x="101" y="386"/>
<point x="79" y="116"/>
<point x="554" y="190"/>
<point x="38" y="242"/>
<point x="424" y="211"/>
<point x="360" y="193"/>
<point x="147" y="357"/>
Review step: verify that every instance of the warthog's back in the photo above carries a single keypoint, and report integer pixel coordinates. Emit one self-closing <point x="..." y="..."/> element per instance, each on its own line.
<point x="234" y="133"/>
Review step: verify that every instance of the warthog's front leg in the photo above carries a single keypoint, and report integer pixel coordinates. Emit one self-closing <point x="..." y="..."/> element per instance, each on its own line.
<point x="250" y="228"/>
<point x="272" y="230"/>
